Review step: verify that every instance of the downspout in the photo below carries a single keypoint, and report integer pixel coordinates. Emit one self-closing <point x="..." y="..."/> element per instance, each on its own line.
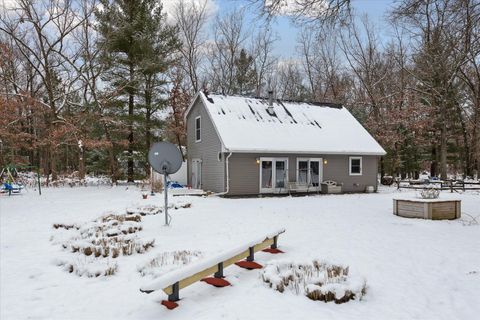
<point x="228" y="178"/>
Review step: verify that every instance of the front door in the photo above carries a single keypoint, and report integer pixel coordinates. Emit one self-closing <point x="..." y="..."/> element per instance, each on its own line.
<point x="273" y="175"/>
<point x="196" y="173"/>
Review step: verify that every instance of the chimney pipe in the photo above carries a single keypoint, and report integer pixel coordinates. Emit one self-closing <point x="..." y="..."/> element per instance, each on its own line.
<point x="270" y="102"/>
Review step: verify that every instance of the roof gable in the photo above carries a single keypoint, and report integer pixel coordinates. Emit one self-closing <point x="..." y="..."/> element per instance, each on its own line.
<point x="244" y="125"/>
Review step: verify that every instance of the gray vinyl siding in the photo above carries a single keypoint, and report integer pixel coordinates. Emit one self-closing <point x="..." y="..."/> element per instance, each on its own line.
<point x="213" y="170"/>
<point x="245" y="172"/>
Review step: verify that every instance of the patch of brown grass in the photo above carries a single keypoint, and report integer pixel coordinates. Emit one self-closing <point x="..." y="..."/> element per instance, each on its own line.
<point x="317" y="281"/>
<point x="167" y="260"/>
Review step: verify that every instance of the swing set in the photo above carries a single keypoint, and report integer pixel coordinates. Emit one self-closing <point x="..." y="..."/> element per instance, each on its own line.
<point x="11" y="181"/>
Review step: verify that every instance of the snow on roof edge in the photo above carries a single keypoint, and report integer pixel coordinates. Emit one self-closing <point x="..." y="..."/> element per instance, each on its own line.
<point x="319" y="152"/>
<point x="379" y="152"/>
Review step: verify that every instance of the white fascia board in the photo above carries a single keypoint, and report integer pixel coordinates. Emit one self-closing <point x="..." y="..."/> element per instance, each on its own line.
<point x="191" y="106"/>
<point x="319" y="152"/>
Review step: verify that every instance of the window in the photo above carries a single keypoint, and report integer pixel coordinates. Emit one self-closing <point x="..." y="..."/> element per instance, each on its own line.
<point x="355" y="166"/>
<point x="197" y="129"/>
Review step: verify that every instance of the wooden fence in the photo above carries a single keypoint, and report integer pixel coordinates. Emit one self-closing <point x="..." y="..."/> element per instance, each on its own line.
<point x="452" y="185"/>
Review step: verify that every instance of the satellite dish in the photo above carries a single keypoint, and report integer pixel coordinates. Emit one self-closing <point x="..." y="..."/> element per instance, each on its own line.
<point x="165" y="158"/>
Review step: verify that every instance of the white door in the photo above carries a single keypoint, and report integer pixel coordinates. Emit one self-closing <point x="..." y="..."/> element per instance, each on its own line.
<point x="273" y="175"/>
<point x="196" y="173"/>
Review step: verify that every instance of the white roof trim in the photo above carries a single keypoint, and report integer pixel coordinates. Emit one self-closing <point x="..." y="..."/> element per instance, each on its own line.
<point x="316" y="152"/>
<point x="190" y="106"/>
<point x="202" y="97"/>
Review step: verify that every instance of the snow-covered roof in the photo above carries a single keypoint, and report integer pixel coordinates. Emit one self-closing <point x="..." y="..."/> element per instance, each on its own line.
<point x="244" y="125"/>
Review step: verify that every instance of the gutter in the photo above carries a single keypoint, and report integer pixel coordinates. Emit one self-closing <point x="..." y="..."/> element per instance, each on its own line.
<point x="228" y="178"/>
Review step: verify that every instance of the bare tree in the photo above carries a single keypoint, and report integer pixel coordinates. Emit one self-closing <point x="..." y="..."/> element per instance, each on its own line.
<point x="42" y="32"/>
<point x="229" y="37"/>
<point x="432" y="28"/>
<point x="365" y="60"/>
<point x="191" y="18"/>
<point x="321" y="62"/>
<point x="469" y="31"/>
<point x="288" y="81"/>
<point x="323" y="12"/>
<point x="263" y="59"/>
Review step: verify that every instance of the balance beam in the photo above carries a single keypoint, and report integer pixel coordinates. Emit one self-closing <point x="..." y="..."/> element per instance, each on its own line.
<point x="173" y="281"/>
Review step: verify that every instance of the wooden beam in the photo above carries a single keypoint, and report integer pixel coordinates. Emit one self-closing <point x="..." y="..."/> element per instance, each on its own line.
<point x="202" y="274"/>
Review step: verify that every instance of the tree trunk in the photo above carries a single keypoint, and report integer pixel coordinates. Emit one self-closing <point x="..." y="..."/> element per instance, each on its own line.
<point x="433" y="165"/>
<point x="476" y="139"/>
<point x="131" y="100"/>
<point x="81" y="164"/>
<point x="148" y="116"/>
<point x="443" y="142"/>
<point x="111" y="155"/>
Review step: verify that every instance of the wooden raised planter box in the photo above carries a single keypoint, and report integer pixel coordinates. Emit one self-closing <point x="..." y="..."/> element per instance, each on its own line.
<point x="434" y="209"/>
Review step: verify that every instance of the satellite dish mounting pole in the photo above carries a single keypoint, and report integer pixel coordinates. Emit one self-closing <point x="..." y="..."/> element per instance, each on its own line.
<point x="165" y="158"/>
<point x="166" y="196"/>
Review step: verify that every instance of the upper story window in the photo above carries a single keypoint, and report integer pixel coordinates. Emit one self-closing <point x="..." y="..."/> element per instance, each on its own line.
<point x="198" y="129"/>
<point x="355" y="166"/>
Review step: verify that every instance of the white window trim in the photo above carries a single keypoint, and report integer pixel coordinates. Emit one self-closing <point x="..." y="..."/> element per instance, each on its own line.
<point x="350" y="166"/>
<point x="320" y="178"/>
<point x="199" y="140"/>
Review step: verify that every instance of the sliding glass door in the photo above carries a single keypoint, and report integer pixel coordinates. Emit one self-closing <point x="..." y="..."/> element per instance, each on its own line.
<point x="273" y="175"/>
<point x="309" y="172"/>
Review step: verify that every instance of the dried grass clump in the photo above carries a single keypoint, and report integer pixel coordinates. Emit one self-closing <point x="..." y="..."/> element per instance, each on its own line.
<point x="86" y="267"/>
<point x="65" y="226"/>
<point x="316" y="280"/>
<point x="157" y="185"/>
<point x="110" y="236"/>
<point x="146" y="210"/>
<point x="120" y="218"/>
<point x="183" y="206"/>
<point x="167" y="261"/>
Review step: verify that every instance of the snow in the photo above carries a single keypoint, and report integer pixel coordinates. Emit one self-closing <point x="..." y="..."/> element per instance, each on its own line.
<point x="420" y="199"/>
<point x="182" y="273"/>
<point x="244" y="125"/>
<point x="414" y="268"/>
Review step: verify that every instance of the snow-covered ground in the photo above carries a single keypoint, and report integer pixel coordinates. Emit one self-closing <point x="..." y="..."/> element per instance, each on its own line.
<point x="415" y="269"/>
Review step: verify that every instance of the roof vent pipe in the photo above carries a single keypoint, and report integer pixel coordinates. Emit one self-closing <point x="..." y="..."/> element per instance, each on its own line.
<point x="270" y="102"/>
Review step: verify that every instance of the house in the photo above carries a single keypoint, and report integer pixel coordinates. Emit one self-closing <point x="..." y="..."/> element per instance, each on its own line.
<point x="248" y="146"/>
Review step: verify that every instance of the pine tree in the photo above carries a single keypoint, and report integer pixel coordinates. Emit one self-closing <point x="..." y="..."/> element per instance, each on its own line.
<point x="245" y="73"/>
<point x="136" y="47"/>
